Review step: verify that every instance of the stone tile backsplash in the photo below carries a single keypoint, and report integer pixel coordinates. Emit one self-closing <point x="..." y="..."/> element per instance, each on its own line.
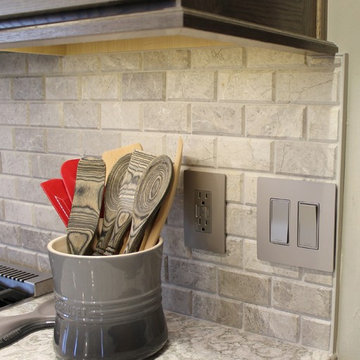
<point x="244" y="112"/>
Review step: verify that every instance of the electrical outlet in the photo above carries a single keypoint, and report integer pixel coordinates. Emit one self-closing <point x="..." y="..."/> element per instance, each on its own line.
<point x="204" y="210"/>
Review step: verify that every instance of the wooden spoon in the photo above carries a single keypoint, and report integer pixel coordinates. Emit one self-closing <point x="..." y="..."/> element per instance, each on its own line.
<point x="138" y="164"/>
<point x="159" y="222"/>
<point x="112" y="193"/>
<point x="85" y="211"/>
<point x="151" y="189"/>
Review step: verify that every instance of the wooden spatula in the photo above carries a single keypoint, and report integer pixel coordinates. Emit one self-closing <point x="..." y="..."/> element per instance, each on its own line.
<point x="167" y="202"/>
<point x="138" y="163"/>
<point x="152" y="188"/>
<point x="56" y="193"/>
<point x="85" y="211"/>
<point x="112" y="156"/>
<point x="112" y="193"/>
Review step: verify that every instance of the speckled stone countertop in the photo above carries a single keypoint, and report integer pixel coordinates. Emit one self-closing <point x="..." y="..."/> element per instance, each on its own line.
<point x="189" y="338"/>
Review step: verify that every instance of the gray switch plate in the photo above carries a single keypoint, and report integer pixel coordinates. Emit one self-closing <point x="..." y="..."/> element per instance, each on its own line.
<point x="311" y="240"/>
<point x="204" y="210"/>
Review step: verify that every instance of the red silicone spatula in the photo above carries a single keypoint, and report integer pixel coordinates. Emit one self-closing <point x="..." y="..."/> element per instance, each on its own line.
<point x="68" y="172"/>
<point x="56" y="193"/>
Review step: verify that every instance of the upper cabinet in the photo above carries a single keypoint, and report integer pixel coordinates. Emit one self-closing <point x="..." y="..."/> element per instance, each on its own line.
<point x="290" y="24"/>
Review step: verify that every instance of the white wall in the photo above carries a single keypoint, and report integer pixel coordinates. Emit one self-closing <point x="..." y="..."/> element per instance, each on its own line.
<point x="344" y="30"/>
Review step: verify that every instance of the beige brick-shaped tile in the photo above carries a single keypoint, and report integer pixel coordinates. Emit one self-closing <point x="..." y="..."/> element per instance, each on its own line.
<point x="45" y="114"/>
<point x="5" y="89"/>
<point x="165" y="117"/>
<point x="306" y="86"/>
<point x="245" y="85"/>
<point x="249" y="288"/>
<point x="305" y="158"/>
<point x="9" y="234"/>
<point x="272" y="323"/>
<point x="34" y="239"/>
<point x="43" y="263"/>
<point x="80" y="64"/>
<point x="96" y="142"/>
<point x="167" y="59"/>
<point x="199" y="150"/>
<point x="143" y="86"/>
<point x="62" y="88"/>
<point x="120" y="115"/>
<point x="234" y="186"/>
<point x="12" y="63"/>
<point x="315" y="333"/>
<point x="318" y="277"/>
<point x="28" y="88"/>
<point x="13" y="113"/>
<point x="121" y="62"/>
<point x="44" y="64"/>
<point x="176" y="215"/>
<point x="65" y="141"/>
<point x="30" y="139"/>
<point x="46" y="218"/>
<point x="22" y="256"/>
<point x="176" y="299"/>
<point x="97" y="87"/>
<point x="323" y="122"/>
<point x="192" y="275"/>
<point x="7" y="186"/>
<point x="191" y="85"/>
<point x="217" y="119"/>
<point x="321" y="61"/>
<point x="18" y="212"/>
<point x="302" y="298"/>
<point x="250" y="189"/>
<point x="245" y="154"/>
<point x="46" y="166"/>
<point x="152" y="143"/>
<point x="3" y="252"/>
<point x="232" y="257"/>
<point x="29" y="189"/>
<point x="241" y="220"/>
<point x="217" y="309"/>
<point x="252" y="263"/>
<point x="174" y="242"/>
<point x="261" y="57"/>
<point x="275" y="121"/>
<point x="204" y="58"/>
<point x="82" y="115"/>
<point x="2" y="210"/>
<point x="6" y="138"/>
<point x="15" y="163"/>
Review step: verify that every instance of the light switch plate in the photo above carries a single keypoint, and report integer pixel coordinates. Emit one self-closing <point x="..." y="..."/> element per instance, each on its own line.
<point x="316" y="252"/>
<point x="204" y="210"/>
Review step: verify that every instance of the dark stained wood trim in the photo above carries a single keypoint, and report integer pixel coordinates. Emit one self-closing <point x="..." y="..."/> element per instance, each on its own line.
<point x="198" y="21"/>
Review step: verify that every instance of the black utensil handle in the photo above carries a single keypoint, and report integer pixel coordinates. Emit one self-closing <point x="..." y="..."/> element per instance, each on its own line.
<point x="21" y="330"/>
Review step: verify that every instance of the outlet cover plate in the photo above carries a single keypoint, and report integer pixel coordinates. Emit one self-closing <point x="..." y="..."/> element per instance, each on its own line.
<point x="204" y="211"/>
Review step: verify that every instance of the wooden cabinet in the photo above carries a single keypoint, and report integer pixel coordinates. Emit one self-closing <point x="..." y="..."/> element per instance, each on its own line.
<point x="288" y="24"/>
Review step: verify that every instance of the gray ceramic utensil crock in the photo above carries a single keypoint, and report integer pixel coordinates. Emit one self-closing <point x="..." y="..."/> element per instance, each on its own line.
<point x="107" y="307"/>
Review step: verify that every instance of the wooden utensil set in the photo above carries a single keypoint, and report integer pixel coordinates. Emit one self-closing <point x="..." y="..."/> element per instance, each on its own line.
<point x="117" y="203"/>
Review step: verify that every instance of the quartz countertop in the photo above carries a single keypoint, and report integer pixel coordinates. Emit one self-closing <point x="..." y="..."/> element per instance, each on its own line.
<point x="189" y="338"/>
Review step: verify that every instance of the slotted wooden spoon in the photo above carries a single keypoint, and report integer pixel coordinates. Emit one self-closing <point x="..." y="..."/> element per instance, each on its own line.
<point x="138" y="163"/>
